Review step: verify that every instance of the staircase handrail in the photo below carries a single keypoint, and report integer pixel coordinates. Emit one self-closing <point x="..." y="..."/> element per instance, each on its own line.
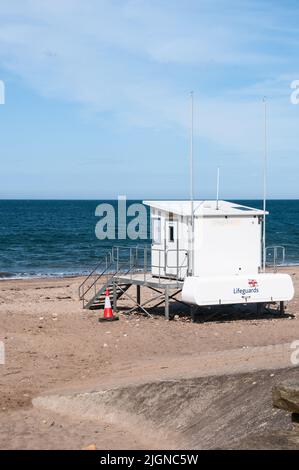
<point x="103" y="259"/>
<point x="111" y="276"/>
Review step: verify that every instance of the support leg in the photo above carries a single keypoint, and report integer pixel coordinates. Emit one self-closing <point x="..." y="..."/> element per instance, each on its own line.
<point x="114" y="297"/>
<point x="192" y="312"/>
<point x="260" y="308"/>
<point x="138" y="295"/>
<point x="166" y="303"/>
<point x="281" y="308"/>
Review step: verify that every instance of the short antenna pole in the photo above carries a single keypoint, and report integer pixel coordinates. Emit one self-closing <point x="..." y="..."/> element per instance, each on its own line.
<point x="265" y="180"/>
<point x="192" y="185"/>
<point x="217" y="192"/>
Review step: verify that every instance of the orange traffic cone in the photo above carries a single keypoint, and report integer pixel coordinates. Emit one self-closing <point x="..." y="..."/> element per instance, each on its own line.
<point x="108" y="312"/>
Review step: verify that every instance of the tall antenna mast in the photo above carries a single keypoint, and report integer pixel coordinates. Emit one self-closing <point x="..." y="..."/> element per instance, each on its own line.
<point x="192" y="184"/>
<point x="265" y="180"/>
<point x="217" y="191"/>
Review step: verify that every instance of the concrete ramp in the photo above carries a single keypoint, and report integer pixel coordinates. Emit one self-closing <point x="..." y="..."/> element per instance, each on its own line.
<point x="203" y="413"/>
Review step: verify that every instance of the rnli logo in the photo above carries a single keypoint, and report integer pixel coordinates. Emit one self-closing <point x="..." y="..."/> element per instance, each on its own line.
<point x="252" y="282"/>
<point x="251" y="289"/>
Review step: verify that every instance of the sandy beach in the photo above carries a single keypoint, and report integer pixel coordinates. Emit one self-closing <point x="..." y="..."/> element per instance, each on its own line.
<point x="54" y="347"/>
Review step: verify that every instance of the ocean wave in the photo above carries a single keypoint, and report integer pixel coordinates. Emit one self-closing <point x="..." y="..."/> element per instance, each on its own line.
<point x="6" y="276"/>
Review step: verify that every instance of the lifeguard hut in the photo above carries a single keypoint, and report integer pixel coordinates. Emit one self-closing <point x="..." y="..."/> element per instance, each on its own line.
<point x="217" y="253"/>
<point x="211" y="256"/>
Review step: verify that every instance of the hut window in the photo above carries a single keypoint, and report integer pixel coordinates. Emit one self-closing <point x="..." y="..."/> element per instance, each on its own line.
<point x="157" y="231"/>
<point x="171" y="233"/>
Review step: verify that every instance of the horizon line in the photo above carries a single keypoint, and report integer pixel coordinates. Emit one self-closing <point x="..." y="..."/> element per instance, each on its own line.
<point x="152" y="199"/>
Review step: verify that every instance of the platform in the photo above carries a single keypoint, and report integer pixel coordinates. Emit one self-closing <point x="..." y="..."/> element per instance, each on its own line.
<point x="147" y="279"/>
<point x="166" y="289"/>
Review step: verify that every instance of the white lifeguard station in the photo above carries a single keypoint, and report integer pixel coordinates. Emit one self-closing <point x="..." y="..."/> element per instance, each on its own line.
<point x="217" y="253"/>
<point x="214" y="256"/>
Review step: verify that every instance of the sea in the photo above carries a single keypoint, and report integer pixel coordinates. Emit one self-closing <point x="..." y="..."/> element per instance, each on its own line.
<point x="41" y="238"/>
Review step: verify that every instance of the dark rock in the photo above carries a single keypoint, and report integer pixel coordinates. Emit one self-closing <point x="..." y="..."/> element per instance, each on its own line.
<point x="286" y="396"/>
<point x="295" y="421"/>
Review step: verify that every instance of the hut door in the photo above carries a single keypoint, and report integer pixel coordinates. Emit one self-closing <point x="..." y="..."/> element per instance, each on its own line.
<point x="171" y="239"/>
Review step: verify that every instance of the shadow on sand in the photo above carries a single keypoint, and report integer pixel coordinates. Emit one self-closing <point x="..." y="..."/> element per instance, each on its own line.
<point x="218" y="313"/>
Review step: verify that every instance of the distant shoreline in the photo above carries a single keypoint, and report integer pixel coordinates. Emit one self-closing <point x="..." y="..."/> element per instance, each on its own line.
<point x="141" y="199"/>
<point x="12" y="277"/>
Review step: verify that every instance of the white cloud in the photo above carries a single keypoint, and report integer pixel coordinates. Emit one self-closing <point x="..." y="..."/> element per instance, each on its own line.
<point x="116" y="56"/>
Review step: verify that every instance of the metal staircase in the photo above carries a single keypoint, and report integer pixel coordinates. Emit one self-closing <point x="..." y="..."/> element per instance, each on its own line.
<point x="104" y="276"/>
<point x="124" y="266"/>
<point x="98" y="302"/>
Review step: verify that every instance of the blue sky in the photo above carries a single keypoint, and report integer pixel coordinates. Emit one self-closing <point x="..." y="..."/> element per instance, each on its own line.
<point x="97" y="97"/>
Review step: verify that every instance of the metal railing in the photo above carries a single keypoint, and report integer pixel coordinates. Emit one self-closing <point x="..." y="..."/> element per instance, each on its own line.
<point x="275" y="256"/>
<point x="141" y="258"/>
<point x="100" y="269"/>
<point x="118" y="260"/>
<point x="179" y="269"/>
<point x="105" y="278"/>
<point x="129" y="260"/>
<point x="179" y="266"/>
